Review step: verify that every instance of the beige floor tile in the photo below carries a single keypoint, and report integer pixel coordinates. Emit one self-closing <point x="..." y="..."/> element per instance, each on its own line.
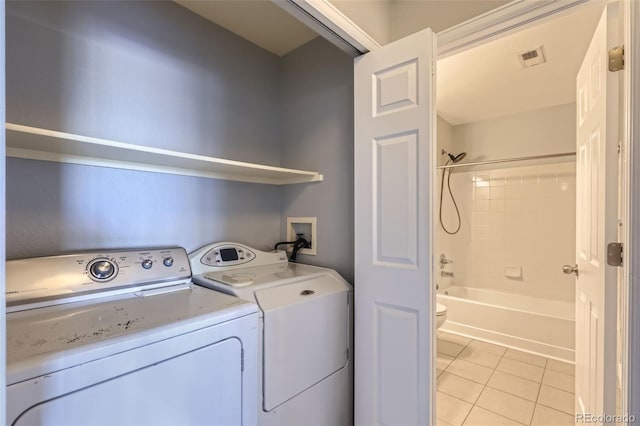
<point x="438" y="372"/>
<point x="454" y="338"/>
<point x="468" y="370"/>
<point x="514" y="385"/>
<point x="558" y="399"/>
<point x="459" y="387"/>
<point x="451" y="410"/>
<point x="481" y="417"/>
<point x="544" y="416"/>
<point x="521" y="369"/>
<point x="448" y="348"/>
<point x="476" y="356"/>
<point x="561" y="367"/>
<point x="487" y="347"/>
<point x="560" y="381"/>
<point x="506" y="405"/>
<point x="537" y="360"/>
<point x="442" y="423"/>
<point x="443" y="361"/>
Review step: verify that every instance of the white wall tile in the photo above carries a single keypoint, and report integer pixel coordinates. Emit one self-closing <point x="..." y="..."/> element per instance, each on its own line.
<point x="481" y="193"/>
<point x="519" y="216"/>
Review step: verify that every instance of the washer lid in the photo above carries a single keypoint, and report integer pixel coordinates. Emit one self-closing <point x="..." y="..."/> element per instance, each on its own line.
<point x="48" y="339"/>
<point x="306" y="335"/>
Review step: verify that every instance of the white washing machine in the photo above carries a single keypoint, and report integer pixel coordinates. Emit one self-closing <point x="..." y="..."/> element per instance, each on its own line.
<point x="125" y="338"/>
<point x="306" y="373"/>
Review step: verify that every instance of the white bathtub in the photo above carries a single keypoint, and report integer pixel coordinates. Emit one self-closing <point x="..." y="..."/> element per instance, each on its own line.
<point x="546" y="327"/>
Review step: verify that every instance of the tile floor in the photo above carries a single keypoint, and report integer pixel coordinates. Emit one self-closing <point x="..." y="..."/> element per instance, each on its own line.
<point x="482" y="384"/>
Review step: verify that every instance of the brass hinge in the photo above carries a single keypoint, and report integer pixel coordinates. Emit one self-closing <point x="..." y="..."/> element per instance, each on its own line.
<point x="616" y="59"/>
<point x="614" y="254"/>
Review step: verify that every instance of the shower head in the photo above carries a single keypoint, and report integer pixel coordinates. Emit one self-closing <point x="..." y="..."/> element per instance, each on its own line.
<point x="454" y="158"/>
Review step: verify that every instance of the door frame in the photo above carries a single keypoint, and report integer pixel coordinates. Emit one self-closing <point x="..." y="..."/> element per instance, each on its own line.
<point x="516" y="16"/>
<point x="630" y="296"/>
<point x="3" y="316"/>
<point x="503" y="21"/>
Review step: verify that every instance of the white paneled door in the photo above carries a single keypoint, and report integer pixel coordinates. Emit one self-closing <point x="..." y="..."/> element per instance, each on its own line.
<point x="597" y="191"/>
<point x="394" y="148"/>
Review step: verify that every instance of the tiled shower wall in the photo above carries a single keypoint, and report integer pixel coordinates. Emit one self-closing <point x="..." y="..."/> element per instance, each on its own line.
<point x="518" y="229"/>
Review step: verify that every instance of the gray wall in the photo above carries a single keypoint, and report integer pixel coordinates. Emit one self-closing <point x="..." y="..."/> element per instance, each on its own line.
<point x="153" y="73"/>
<point x="317" y="89"/>
<point x="149" y="73"/>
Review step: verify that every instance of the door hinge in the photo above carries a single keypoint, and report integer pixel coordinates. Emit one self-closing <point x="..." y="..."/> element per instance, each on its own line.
<point x="614" y="254"/>
<point x="616" y="59"/>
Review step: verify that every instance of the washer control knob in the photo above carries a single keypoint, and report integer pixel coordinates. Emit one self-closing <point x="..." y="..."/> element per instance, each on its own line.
<point x="147" y="263"/>
<point x="168" y="261"/>
<point x="102" y="269"/>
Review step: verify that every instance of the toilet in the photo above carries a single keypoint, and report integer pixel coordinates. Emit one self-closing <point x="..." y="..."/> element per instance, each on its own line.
<point x="441" y="314"/>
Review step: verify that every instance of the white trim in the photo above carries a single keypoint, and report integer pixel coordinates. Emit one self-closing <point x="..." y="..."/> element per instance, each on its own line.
<point x="631" y="361"/>
<point x="498" y="22"/>
<point x="546" y="350"/>
<point x="332" y="24"/>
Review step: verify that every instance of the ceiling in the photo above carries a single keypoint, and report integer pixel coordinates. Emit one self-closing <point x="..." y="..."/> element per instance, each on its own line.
<point x="481" y="83"/>
<point x="489" y="81"/>
<point x="259" y="21"/>
<point x="267" y="25"/>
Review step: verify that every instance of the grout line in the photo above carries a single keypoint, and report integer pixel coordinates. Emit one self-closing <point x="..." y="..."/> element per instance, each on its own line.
<point x="486" y="385"/>
<point x="555" y="408"/>
<point x="483" y="388"/>
<point x="535" y="407"/>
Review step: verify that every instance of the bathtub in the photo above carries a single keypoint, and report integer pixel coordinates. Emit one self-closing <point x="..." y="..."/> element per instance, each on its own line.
<point x="545" y="327"/>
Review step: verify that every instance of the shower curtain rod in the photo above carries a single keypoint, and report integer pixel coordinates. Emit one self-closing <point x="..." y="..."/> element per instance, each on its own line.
<point x="506" y="160"/>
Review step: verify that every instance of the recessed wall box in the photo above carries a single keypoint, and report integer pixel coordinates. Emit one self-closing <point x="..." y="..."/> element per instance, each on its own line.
<point x="307" y="227"/>
<point x="513" y="271"/>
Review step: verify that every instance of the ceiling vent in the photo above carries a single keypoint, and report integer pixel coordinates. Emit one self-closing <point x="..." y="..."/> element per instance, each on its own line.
<point x="532" y="57"/>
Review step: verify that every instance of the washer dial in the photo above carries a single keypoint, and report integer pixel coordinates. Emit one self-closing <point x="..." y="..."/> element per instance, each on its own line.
<point x="102" y="269"/>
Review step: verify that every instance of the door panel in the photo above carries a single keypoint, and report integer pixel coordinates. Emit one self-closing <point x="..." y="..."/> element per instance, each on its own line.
<point x="394" y="128"/>
<point x="395" y="177"/>
<point x="597" y="178"/>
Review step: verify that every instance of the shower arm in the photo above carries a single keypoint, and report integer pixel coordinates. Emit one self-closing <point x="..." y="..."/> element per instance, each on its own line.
<point x="507" y="160"/>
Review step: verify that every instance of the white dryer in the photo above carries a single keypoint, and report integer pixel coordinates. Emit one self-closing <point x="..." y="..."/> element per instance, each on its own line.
<point x="124" y="338"/>
<point x="306" y="373"/>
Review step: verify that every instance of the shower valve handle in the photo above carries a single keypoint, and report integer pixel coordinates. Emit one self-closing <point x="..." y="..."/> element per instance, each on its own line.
<point x="568" y="269"/>
<point x="444" y="261"/>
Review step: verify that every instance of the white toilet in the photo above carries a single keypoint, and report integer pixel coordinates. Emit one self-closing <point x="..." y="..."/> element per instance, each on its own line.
<point x="441" y="314"/>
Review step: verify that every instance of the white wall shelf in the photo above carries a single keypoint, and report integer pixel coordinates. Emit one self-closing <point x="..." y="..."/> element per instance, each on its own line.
<point x="48" y="145"/>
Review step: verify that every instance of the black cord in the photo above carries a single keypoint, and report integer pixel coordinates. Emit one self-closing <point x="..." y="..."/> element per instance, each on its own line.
<point x="452" y="199"/>
<point x="283" y="242"/>
<point x="298" y="244"/>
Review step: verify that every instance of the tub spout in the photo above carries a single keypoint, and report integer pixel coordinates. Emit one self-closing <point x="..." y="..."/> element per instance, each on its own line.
<point x="447" y="274"/>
